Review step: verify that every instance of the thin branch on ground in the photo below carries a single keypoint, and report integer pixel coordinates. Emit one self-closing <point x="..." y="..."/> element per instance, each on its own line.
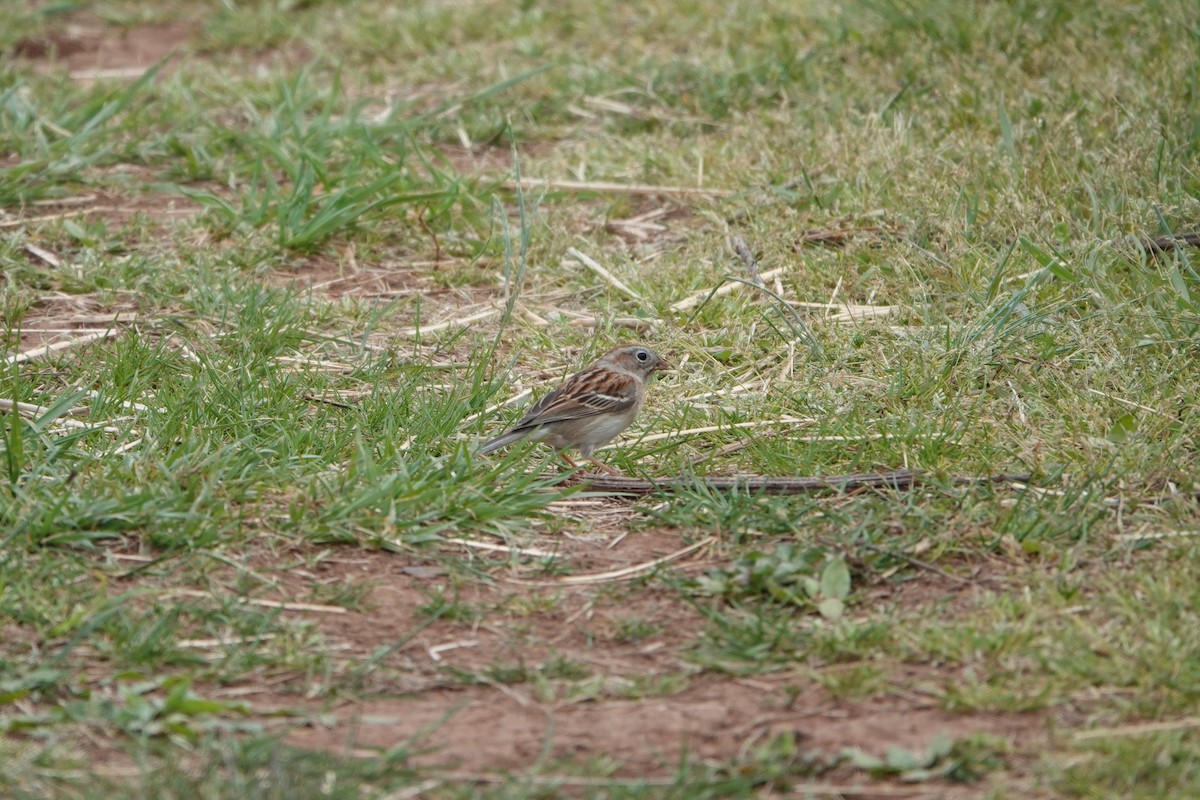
<point x="898" y="479"/>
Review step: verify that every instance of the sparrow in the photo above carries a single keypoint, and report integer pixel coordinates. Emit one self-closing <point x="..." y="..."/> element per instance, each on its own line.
<point x="591" y="407"/>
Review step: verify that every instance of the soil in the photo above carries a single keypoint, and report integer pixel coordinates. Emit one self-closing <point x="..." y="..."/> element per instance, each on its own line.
<point x="90" y="48"/>
<point x="530" y="672"/>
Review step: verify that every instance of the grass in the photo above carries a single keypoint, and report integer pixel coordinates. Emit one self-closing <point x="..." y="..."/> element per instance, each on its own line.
<point x="282" y="213"/>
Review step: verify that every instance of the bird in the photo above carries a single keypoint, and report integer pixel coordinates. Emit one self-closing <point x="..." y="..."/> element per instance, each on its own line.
<point x="591" y="407"/>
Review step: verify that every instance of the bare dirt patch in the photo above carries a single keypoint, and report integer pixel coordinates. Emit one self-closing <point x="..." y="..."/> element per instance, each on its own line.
<point x="527" y="670"/>
<point x="716" y="719"/>
<point x="67" y="322"/>
<point x="159" y="211"/>
<point x="521" y="673"/>
<point x="348" y="277"/>
<point x="91" y="48"/>
<point x="638" y="702"/>
<point x="507" y="621"/>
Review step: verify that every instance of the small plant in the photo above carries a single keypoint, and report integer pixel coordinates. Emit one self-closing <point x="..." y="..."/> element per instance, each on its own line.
<point x="565" y="669"/>
<point x="788" y="574"/>
<point x="852" y="681"/>
<point x="959" y="760"/>
<point x="781" y="759"/>
<point x="181" y="713"/>
<point x="445" y="604"/>
<point x="347" y="593"/>
<point x="634" y="629"/>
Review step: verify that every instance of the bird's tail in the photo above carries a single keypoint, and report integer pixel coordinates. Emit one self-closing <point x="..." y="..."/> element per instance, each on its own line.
<point x="501" y="441"/>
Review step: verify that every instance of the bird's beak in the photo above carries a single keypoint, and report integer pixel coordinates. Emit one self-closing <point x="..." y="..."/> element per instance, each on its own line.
<point x="663" y="364"/>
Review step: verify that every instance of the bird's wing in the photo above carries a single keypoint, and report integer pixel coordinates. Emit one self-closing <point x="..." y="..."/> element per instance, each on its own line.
<point x="583" y="395"/>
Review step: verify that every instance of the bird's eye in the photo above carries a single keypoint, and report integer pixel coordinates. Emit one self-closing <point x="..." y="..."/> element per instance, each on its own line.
<point x="642" y="355"/>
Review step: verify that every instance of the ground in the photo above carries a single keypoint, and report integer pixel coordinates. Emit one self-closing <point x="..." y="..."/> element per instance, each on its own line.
<point x="250" y="549"/>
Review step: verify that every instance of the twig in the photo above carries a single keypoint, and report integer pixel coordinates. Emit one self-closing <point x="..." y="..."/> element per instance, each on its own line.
<point x="64" y="202"/>
<point x="507" y="691"/>
<point x="312" y="398"/>
<point x="316" y="363"/>
<point x="699" y="297"/>
<point x="613" y="188"/>
<point x="1166" y="244"/>
<point x="898" y="479"/>
<point x="126" y="404"/>
<point x="1139" y="729"/>
<point x="916" y="562"/>
<point x="43" y="255"/>
<point x="1124" y="402"/>
<point x="435" y="652"/>
<point x="41" y="351"/>
<point x="636" y="323"/>
<point x="254" y="601"/>
<point x="622" y="574"/>
<point x="63" y="330"/>
<point x="238" y="640"/>
<point x="837" y="237"/>
<point x="493" y="408"/>
<point x="125" y="448"/>
<point x="845" y="311"/>
<point x="78" y="212"/>
<point x="1140" y="537"/>
<point x="108" y="73"/>
<point x="450" y="323"/>
<point x="501" y="548"/>
<point x="413" y="791"/>
<point x="641" y="227"/>
<point x="595" y="267"/>
<point x="591" y="320"/>
<point x="837" y="437"/>
<point x="29" y="409"/>
<point x="743" y="250"/>
<point x="100" y="319"/>
<point x="728" y="449"/>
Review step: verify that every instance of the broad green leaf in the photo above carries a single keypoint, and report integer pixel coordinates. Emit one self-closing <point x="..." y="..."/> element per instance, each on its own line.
<point x="835" y="580"/>
<point x="831" y="608"/>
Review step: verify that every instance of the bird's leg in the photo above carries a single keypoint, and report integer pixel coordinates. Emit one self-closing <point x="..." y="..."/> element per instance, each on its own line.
<point x="604" y="467"/>
<point x="563" y="455"/>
